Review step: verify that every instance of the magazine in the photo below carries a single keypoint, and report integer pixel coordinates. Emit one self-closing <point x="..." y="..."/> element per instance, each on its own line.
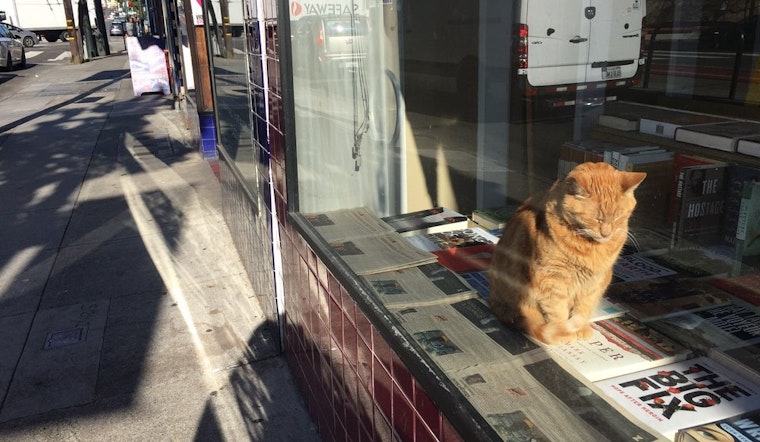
<point x="742" y="428"/>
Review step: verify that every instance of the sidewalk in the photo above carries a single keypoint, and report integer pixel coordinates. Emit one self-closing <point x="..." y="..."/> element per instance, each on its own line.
<point x="125" y="313"/>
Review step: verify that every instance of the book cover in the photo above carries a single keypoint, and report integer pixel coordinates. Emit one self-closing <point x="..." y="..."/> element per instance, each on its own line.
<point x="700" y="202"/>
<point x="682" y="394"/>
<point x="737" y="175"/>
<point x="626" y="123"/>
<point x="747" y="247"/>
<point x="670" y="295"/>
<point x="637" y="267"/>
<point x="619" y="345"/>
<point x="495" y="217"/>
<point x="681" y="160"/>
<point x="428" y="284"/>
<point x="724" y="326"/>
<point x="633" y="162"/>
<point x="742" y="428"/>
<point x="653" y="193"/>
<point x="451" y="239"/>
<point x="749" y="145"/>
<point x="466" y="259"/>
<point x="437" y="219"/>
<point x="722" y="136"/>
<point x="745" y="287"/>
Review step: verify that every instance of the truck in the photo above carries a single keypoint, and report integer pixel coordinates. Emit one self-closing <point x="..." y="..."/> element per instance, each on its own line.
<point x="47" y="18"/>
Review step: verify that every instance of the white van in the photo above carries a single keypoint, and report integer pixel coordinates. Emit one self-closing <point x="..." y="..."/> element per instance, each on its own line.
<point x="569" y="45"/>
<point x="557" y="47"/>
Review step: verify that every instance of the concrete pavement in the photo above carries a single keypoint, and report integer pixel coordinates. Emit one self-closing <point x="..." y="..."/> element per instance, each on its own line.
<point x="125" y="313"/>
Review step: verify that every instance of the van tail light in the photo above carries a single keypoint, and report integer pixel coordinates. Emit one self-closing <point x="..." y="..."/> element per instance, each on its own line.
<point x="321" y="37"/>
<point x="522" y="46"/>
<point x="643" y="45"/>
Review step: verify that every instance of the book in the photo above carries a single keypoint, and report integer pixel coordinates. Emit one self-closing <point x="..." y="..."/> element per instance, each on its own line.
<point x="681" y="160"/>
<point x="742" y="428"/>
<point x="698" y="262"/>
<point x="745" y="287"/>
<point x="637" y="267"/>
<point x="624" y="122"/>
<point x="665" y="123"/>
<point x="633" y="162"/>
<point x="682" y="394"/>
<point x="666" y="296"/>
<point x="734" y="323"/>
<point x="437" y="219"/>
<point x="427" y="284"/>
<point x="466" y="259"/>
<point x="747" y="247"/>
<point x="380" y="253"/>
<point x="618" y="346"/>
<point x="653" y="193"/>
<point x="474" y="236"/>
<point x="700" y="202"/>
<point x="738" y="175"/>
<point x="722" y="136"/>
<point x="612" y="153"/>
<point x="348" y="224"/>
<point x="743" y="358"/>
<point x="749" y="145"/>
<point x="493" y="218"/>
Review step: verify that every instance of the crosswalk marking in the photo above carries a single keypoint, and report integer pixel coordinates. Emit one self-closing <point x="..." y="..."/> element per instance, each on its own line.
<point x="32" y="54"/>
<point x="63" y="55"/>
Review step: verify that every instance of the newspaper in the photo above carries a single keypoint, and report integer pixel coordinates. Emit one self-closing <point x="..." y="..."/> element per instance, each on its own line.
<point x="380" y="253"/>
<point x="427" y="284"/>
<point x="347" y="224"/>
<point x="526" y="397"/>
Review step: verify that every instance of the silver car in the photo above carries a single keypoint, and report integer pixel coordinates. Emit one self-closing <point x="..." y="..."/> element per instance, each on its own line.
<point x="11" y="50"/>
<point x="28" y="38"/>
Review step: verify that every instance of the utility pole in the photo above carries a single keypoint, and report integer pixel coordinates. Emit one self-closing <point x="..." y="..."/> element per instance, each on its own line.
<point x="76" y="58"/>
<point x="224" y="8"/>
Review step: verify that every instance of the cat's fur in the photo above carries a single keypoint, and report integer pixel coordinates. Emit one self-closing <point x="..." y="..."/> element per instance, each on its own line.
<point x="554" y="260"/>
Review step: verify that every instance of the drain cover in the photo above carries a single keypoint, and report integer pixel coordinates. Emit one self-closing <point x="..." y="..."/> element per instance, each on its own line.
<point x="65" y="338"/>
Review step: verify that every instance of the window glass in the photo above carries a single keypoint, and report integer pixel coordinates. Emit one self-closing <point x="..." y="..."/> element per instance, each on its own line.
<point x="231" y="91"/>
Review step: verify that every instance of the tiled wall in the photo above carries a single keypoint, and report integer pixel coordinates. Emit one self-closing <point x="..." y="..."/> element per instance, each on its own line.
<point x="355" y="386"/>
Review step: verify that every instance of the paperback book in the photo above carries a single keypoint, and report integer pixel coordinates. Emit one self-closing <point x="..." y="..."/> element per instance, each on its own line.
<point x="746" y="286"/>
<point x="699" y="203"/>
<point x="747" y="246"/>
<point x="493" y="218"/>
<point x="742" y="428"/>
<point x="682" y="394"/>
<point x="619" y="345"/>
<point x="722" y="136"/>
<point x="739" y="175"/>
<point x="637" y="267"/>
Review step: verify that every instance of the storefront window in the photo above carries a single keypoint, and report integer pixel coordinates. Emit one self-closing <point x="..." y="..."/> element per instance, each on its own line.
<point x="473" y="105"/>
<point x="229" y="53"/>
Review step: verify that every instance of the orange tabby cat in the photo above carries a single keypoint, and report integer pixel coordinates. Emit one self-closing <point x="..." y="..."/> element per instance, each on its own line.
<point x="554" y="260"/>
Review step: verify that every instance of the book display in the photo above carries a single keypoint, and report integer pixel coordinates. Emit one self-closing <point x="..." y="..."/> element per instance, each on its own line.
<point x="437" y="219"/>
<point x="721" y="136"/>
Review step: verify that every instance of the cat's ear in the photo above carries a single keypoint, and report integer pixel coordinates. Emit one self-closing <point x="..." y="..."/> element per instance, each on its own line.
<point x="629" y="181"/>
<point x="575" y="187"/>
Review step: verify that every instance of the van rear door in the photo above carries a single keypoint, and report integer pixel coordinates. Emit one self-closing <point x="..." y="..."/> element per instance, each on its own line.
<point x="558" y="41"/>
<point x="581" y="41"/>
<point x="615" y="38"/>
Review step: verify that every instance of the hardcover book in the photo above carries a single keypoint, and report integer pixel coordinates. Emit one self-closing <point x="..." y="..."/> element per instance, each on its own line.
<point x="699" y="202"/>
<point x="738" y="176"/>
<point x="747" y="246"/>
<point x="437" y="219"/>
<point x="680" y="161"/>
<point x="749" y="145"/>
<point x="682" y="394"/>
<point x="619" y="345"/>
<point x="745" y="287"/>
<point x="667" y="121"/>
<point x="722" y="136"/>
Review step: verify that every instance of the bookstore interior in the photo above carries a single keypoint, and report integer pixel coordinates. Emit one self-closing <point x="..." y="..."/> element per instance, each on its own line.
<point x="419" y="128"/>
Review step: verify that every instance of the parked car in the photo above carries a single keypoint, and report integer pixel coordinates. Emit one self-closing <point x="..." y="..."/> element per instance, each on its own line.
<point x="27" y="37"/>
<point x="11" y="50"/>
<point x="118" y="27"/>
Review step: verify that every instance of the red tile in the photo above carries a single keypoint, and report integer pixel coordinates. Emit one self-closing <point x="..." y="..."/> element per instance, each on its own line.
<point x="365" y="407"/>
<point x="448" y="434"/>
<point x="382" y="389"/>
<point x="349" y="305"/>
<point x="350" y="341"/>
<point x="382" y="350"/>
<point x="383" y="430"/>
<point x="403" y="415"/>
<point x="336" y="321"/>
<point x="364" y="327"/>
<point x="403" y="378"/>
<point x="423" y="434"/>
<point x="428" y="412"/>
<point x="364" y="364"/>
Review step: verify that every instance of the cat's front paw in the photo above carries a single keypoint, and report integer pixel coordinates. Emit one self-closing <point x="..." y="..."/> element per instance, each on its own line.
<point x="585" y="332"/>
